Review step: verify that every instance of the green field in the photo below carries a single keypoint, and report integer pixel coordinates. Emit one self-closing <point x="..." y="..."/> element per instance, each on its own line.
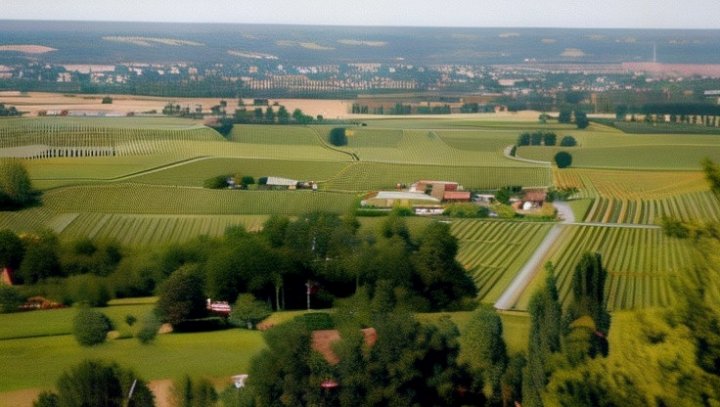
<point x="145" y="230"/>
<point x="494" y="251"/>
<point x="640" y="262"/>
<point x="619" y="150"/>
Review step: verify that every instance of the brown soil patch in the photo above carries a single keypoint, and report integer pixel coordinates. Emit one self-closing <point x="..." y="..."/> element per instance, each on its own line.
<point x="27" y="49"/>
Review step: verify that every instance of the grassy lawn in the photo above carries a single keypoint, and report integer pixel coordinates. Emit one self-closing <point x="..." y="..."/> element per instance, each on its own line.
<point x="38" y="362"/>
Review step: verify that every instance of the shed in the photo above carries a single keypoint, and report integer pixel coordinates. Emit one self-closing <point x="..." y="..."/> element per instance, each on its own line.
<point x="456" y="196"/>
<point x="281" y="182"/>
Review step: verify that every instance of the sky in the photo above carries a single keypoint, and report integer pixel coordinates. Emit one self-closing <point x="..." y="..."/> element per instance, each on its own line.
<point x="444" y="13"/>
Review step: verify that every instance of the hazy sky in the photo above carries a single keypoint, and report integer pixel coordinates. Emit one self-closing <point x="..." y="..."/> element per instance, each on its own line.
<point x="470" y="13"/>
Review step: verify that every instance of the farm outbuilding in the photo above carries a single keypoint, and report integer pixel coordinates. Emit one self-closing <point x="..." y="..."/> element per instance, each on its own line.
<point x="456" y="196"/>
<point x="388" y="199"/>
<point x="279" y="182"/>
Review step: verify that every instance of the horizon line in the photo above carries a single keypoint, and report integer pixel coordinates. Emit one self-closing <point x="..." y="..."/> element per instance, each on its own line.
<point x="364" y="25"/>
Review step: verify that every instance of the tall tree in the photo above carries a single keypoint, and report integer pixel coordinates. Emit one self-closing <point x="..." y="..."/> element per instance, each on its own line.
<point x="15" y="186"/>
<point x="485" y="350"/>
<point x="182" y="296"/>
<point x="544" y="340"/>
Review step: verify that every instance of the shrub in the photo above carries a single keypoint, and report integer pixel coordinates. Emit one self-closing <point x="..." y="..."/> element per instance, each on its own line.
<point x="565" y="116"/>
<point x="247" y="311"/>
<point x="568" y="141"/>
<point x="247" y="180"/>
<point x="149" y="328"/>
<point x="130" y="319"/>
<point x="315" y="321"/>
<point x="338" y="137"/>
<point x="88" y="290"/>
<point x="219" y="182"/>
<point x="98" y="383"/>
<point x="107" y="100"/>
<point x="466" y="210"/>
<point x="524" y="139"/>
<point x="563" y="159"/>
<point x="10" y="299"/>
<point x="90" y="327"/>
<point x="505" y="211"/>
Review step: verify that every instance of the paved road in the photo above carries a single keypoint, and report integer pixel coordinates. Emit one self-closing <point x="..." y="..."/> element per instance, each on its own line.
<point x="509" y="298"/>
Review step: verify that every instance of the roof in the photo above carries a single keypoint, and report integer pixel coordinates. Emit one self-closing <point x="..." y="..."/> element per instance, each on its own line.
<point x="457" y="195"/>
<point x="410" y="196"/>
<point x="322" y="341"/>
<point x="425" y="181"/>
<point x="535" y="194"/>
<point x="6" y="276"/>
<point x="281" y="181"/>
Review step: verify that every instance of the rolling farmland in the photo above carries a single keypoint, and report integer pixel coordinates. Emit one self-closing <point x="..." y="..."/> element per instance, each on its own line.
<point x="144" y="230"/>
<point x="640" y="263"/>
<point x="494" y="251"/>
<point x="144" y="199"/>
<point x="641" y="197"/>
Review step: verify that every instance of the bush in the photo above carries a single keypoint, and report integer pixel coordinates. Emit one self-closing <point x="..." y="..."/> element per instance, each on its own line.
<point x="88" y="290"/>
<point x="549" y="139"/>
<point x="315" y="321"/>
<point x="523" y="139"/>
<point x="247" y="311"/>
<point x="247" y="180"/>
<point x="563" y="159"/>
<point x="338" y="137"/>
<point x="90" y="327"/>
<point x="149" y="328"/>
<point x="98" y="383"/>
<point x="219" y="182"/>
<point x="466" y="210"/>
<point x="400" y="210"/>
<point x="107" y="100"/>
<point x="505" y="211"/>
<point x="10" y="299"/>
<point x="568" y="141"/>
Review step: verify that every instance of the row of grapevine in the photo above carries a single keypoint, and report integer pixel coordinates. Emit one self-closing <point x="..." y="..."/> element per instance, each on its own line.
<point x="145" y="199"/>
<point x="144" y="230"/>
<point x="493" y="251"/>
<point x="640" y="261"/>
<point x="702" y="206"/>
<point x="364" y="176"/>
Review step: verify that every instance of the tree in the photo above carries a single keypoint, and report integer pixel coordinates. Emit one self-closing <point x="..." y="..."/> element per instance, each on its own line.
<point x="588" y="287"/>
<point x="440" y="278"/>
<point x="269" y="115"/>
<point x="485" y="350"/>
<point x="40" y="260"/>
<point x="283" y="115"/>
<point x="107" y="100"/>
<point x="182" y="296"/>
<point x="187" y="392"/>
<point x="98" y="383"/>
<point x="549" y="139"/>
<point x="568" y="141"/>
<point x="247" y="311"/>
<point x="90" y="327"/>
<point x="563" y="159"/>
<point x="581" y="120"/>
<point x="11" y="250"/>
<point x="565" y="116"/>
<point x="46" y="399"/>
<point x="148" y="328"/>
<point x="10" y="299"/>
<point x="15" y="187"/>
<point x="544" y="340"/>
<point x="523" y="139"/>
<point x="338" y="137"/>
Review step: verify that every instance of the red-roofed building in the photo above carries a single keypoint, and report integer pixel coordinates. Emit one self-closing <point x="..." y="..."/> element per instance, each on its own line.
<point x="456" y="196"/>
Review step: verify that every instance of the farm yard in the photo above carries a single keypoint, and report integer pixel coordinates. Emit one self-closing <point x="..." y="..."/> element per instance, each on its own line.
<point x="141" y="182"/>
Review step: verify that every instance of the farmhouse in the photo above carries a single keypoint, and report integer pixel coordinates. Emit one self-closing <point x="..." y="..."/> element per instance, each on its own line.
<point x="533" y="198"/>
<point x="322" y="341"/>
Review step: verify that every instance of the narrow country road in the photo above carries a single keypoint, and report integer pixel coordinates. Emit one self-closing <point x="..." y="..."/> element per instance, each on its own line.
<point x="509" y="298"/>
